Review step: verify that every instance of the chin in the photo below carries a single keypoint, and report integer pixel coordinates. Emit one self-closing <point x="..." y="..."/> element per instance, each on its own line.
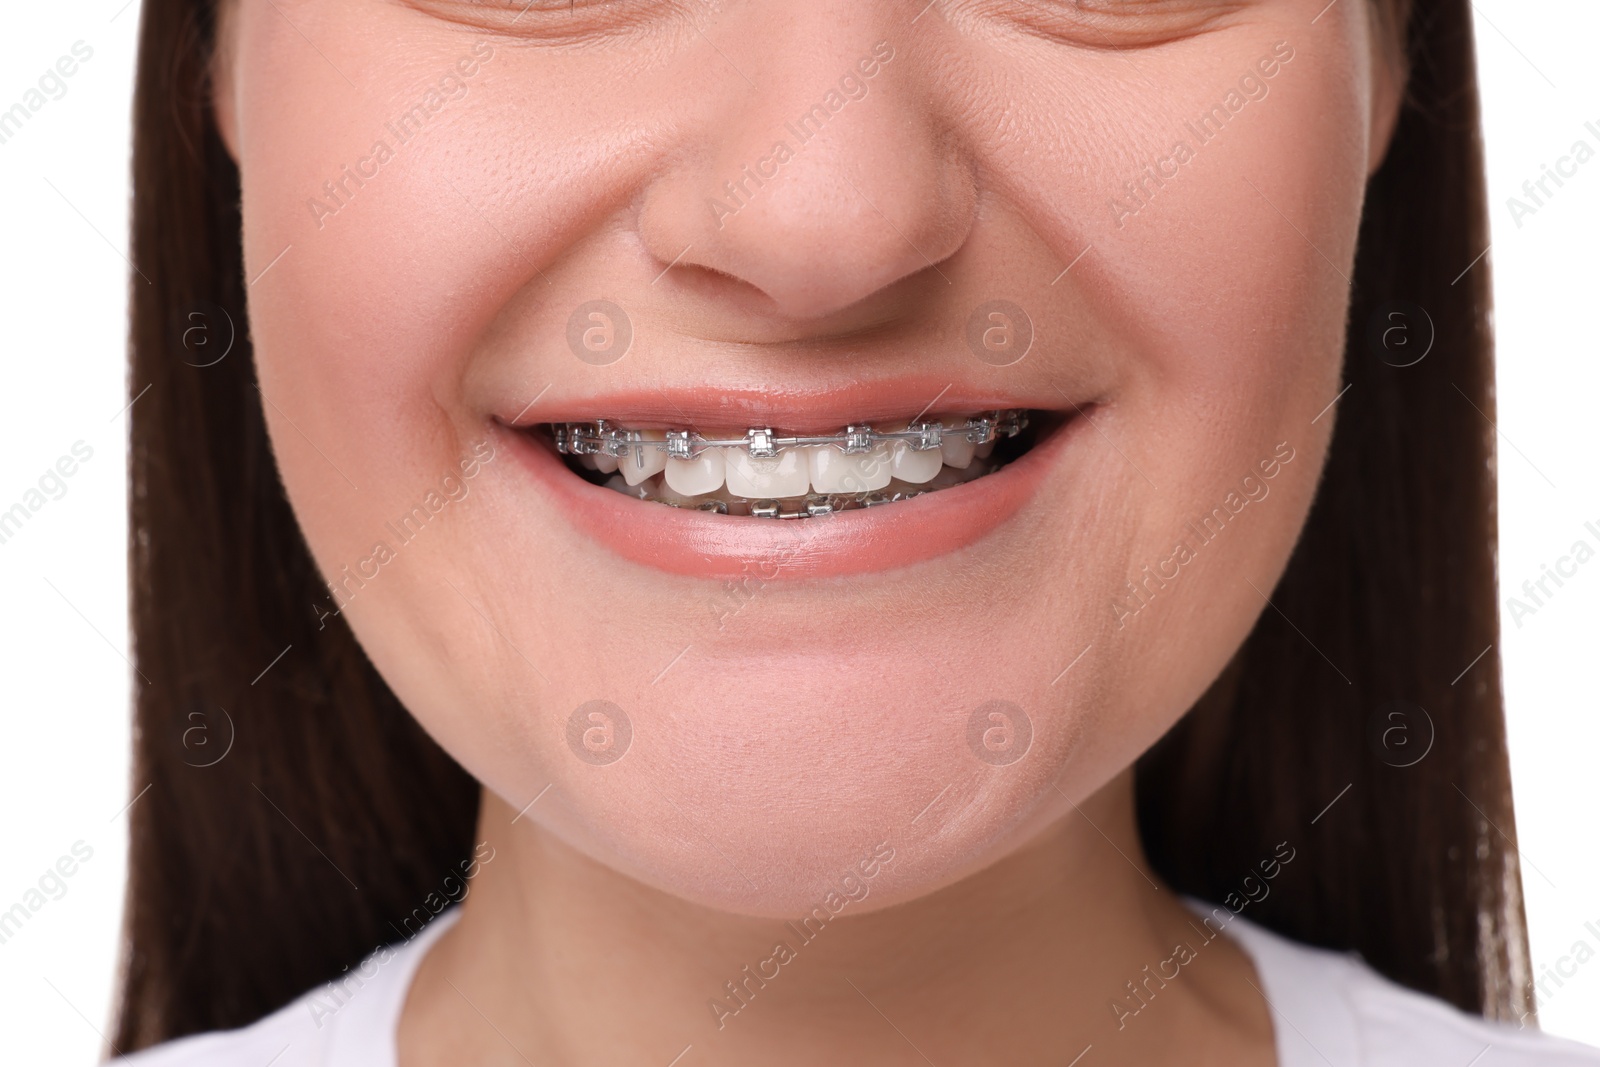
<point x="824" y="793"/>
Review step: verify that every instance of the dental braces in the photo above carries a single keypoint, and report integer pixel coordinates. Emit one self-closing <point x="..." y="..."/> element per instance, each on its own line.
<point x="599" y="436"/>
<point x="812" y="505"/>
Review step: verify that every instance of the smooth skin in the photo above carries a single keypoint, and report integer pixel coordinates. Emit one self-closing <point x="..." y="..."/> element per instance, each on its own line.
<point x="1199" y="332"/>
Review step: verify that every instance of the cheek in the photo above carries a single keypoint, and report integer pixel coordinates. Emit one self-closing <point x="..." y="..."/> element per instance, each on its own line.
<point x="1226" y="273"/>
<point x="349" y="287"/>
<point x="1224" y="280"/>
<point x="387" y="226"/>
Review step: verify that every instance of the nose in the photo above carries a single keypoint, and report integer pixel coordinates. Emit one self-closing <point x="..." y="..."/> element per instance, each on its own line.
<point x="829" y="180"/>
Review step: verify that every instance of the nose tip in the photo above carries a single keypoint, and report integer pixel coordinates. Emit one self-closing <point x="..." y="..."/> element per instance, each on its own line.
<point x="815" y="207"/>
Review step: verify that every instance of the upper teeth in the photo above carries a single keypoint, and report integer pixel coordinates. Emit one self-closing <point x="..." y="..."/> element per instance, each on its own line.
<point x="601" y="436"/>
<point x="763" y="465"/>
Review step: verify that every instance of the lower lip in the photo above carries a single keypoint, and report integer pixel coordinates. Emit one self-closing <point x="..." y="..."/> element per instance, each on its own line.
<point x="858" y="541"/>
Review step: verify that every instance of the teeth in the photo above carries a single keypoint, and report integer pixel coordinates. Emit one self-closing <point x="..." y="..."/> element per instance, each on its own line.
<point x="647" y="490"/>
<point x="786" y="474"/>
<point x="833" y="471"/>
<point x="641" y="463"/>
<point x="909" y="465"/>
<point x="702" y="474"/>
<point x="949" y="476"/>
<point x="668" y="495"/>
<point x="957" y="452"/>
<point x="863" y="466"/>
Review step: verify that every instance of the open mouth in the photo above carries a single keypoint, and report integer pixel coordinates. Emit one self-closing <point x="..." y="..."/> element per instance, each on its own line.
<point x="765" y="472"/>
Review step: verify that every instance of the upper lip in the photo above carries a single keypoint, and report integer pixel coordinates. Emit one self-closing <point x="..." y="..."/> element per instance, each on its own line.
<point x="798" y="408"/>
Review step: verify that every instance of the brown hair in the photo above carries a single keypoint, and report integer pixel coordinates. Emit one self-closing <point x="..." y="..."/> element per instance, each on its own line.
<point x="256" y="876"/>
<point x="1381" y="633"/>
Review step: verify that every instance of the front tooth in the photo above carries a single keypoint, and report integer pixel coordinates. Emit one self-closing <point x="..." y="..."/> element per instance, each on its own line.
<point x="833" y="471"/>
<point x="702" y="474"/>
<point x="909" y="465"/>
<point x="668" y="495"/>
<point x="784" y="475"/>
<point x="637" y="464"/>
<point x="957" y="451"/>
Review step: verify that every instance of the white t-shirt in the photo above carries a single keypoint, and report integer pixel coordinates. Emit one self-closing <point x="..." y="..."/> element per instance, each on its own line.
<point x="1328" y="1009"/>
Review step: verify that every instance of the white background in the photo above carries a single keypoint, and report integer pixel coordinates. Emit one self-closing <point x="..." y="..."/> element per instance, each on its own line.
<point x="63" y="282"/>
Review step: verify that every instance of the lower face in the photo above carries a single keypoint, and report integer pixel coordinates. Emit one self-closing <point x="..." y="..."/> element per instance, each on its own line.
<point x="471" y="232"/>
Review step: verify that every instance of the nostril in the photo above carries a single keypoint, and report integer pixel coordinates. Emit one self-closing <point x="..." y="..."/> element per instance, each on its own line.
<point x="710" y="283"/>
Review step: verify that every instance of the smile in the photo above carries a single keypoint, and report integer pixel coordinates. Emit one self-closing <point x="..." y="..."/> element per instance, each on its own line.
<point x="685" y="480"/>
<point x="763" y="473"/>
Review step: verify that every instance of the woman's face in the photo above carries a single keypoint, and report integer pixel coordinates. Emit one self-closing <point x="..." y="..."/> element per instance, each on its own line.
<point x="464" y="221"/>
